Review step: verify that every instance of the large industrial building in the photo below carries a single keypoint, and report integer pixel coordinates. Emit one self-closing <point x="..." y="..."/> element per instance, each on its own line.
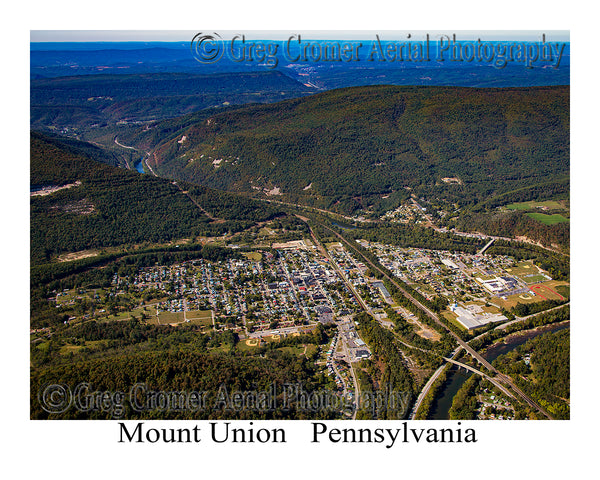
<point x="473" y="316"/>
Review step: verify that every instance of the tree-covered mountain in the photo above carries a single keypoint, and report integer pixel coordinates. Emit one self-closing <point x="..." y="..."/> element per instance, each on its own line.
<point x="107" y="206"/>
<point x="348" y="148"/>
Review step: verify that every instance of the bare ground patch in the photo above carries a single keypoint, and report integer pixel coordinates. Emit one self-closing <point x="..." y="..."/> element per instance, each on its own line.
<point x="69" y="257"/>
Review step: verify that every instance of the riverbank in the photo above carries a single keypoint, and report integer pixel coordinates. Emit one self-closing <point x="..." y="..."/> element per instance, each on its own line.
<point x="440" y="407"/>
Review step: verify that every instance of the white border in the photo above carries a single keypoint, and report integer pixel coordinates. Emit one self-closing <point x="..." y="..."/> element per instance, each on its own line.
<point x="89" y="449"/>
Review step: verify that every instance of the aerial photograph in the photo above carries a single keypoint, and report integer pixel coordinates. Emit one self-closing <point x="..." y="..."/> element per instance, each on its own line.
<point x="287" y="225"/>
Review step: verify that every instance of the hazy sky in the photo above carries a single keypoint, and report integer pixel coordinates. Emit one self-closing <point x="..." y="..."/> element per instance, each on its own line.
<point x="187" y="35"/>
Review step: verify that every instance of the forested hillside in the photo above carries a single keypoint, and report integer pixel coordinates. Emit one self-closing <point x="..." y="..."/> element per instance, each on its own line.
<point x="348" y="148"/>
<point x="107" y="206"/>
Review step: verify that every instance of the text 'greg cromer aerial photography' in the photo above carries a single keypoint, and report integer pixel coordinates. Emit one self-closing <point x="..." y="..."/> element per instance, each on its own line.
<point x="300" y="225"/>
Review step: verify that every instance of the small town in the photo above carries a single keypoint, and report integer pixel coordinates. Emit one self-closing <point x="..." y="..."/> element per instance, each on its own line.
<point x="266" y="295"/>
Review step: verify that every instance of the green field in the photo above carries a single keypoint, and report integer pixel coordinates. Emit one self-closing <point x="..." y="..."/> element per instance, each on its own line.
<point x="200" y="317"/>
<point x="564" y="290"/>
<point x="523" y="268"/>
<point x="542" y="217"/>
<point x="256" y="256"/>
<point x="529" y="279"/>
<point x="170" y="317"/>
<point x="243" y="346"/>
<point x="550" y="204"/>
<point x="122" y="316"/>
<point x="548" y="219"/>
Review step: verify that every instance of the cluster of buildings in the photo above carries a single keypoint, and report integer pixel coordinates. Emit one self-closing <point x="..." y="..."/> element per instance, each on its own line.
<point x="475" y="285"/>
<point x="293" y="287"/>
<point x="503" y="285"/>
<point x="491" y="407"/>
<point x="407" y="213"/>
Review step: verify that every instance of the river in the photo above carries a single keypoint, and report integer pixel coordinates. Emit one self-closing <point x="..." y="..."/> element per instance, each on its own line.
<point x="441" y="406"/>
<point x="139" y="165"/>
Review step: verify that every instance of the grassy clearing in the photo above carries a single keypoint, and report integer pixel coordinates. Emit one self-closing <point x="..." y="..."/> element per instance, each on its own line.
<point x="564" y="290"/>
<point x="293" y="350"/>
<point x="548" y="219"/>
<point x="64" y="298"/>
<point x="165" y="318"/>
<point x="489" y="309"/>
<point x="546" y="292"/>
<point x="264" y="231"/>
<point x="448" y="315"/>
<point x="223" y="348"/>
<point x="199" y="314"/>
<point x="530" y="279"/>
<point x="549" y="204"/>
<point x="256" y="256"/>
<point x="69" y="257"/>
<point x="123" y="316"/>
<point x="66" y="349"/>
<point x="200" y="317"/>
<point x="90" y="345"/>
<point x="244" y="347"/>
<point x="272" y="338"/>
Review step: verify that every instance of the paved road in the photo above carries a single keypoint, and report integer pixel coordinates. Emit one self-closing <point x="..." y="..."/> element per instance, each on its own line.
<point x="428" y="385"/>
<point x="336" y="267"/>
<point x="500" y="377"/>
<point x="479" y="235"/>
<point x="124" y="146"/>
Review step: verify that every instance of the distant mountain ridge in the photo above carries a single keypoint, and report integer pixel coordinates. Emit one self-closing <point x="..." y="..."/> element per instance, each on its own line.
<point x="81" y="101"/>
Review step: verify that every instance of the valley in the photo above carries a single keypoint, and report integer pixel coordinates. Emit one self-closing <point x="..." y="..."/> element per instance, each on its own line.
<point x="263" y="229"/>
